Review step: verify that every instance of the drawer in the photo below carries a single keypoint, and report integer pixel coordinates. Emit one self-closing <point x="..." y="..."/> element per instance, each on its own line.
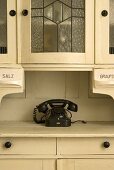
<point x="40" y="146"/>
<point x="85" y="146"/>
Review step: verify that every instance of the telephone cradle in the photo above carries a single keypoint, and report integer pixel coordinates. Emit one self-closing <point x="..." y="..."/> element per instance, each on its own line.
<point x="56" y="113"/>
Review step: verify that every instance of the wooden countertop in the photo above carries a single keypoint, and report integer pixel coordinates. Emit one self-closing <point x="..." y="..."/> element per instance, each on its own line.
<point x="30" y="129"/>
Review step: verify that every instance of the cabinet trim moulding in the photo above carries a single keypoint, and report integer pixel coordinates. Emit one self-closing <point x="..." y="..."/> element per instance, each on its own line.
<point x="64" y="67"/>
<point x="56" y="67"/>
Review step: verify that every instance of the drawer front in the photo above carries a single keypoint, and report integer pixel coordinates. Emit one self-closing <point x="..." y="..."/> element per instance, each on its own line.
<point x="85" y="146"/>
<point x="28" y="146"/>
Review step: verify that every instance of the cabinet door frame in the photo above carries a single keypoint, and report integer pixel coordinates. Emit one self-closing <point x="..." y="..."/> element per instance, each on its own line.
<point x="10" y="57"/>
<point x="24" y="40"/>
<point x="102" y="55"/>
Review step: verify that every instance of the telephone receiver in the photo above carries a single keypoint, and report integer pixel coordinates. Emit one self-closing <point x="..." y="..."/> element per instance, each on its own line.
<point x="43" y="107"/>
<point x="55" y="112"/>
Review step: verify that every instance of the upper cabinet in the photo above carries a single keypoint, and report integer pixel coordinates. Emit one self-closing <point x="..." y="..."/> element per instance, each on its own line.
<point x="56" y="31"/>
<point x="104" y="48"/>
<point x="7" y="31"/>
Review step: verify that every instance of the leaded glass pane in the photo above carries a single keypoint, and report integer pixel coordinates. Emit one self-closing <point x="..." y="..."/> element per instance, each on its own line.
<point x="48" y="2"/>
<point x="66" y="12"/>
<point x="48" y="12"/>
<point x="111" y="41"/>
<point x="37" y="12"/>
<point x="3" y="26"/>
<point x="37" y="34"/>
<point x="59" y="25"/>
<point x="78" y="3"/>
<point x="50" y="36"/>
<point x="37" y="3"/>
<point x="64" y="36"/>
<point x="67" y="2"/>
<point x="78" y="35"/>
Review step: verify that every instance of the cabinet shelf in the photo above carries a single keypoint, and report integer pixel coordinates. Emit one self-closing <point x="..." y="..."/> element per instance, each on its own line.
<point x="30" y="129"/>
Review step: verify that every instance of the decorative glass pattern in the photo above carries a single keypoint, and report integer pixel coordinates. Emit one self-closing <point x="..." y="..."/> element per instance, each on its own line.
<point x="3" y="26"/>
<point x="58" y="26"/>
<point x="111" y="38"/>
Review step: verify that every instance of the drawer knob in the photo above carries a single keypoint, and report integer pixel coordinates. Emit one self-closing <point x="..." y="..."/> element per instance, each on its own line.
<point x="106" y="144"/>
<point x="104" y="13"/>
<point x="12" y="13"/>
<point x="8" y="145"/>
<point x="25" y="12"/>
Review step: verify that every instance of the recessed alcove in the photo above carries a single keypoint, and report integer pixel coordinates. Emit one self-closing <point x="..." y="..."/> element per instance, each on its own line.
<point x="41" y="86"/>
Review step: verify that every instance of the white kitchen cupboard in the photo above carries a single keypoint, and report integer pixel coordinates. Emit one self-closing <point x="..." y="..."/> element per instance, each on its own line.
<point x="8" y="44"/>
<point x="56" y="31"/>
<point x="104" y="32"/>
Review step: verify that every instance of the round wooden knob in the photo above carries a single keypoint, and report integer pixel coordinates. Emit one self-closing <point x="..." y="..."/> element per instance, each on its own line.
<point x="104" y="13"/>
<point x="12" y="13"/>
<point x="25" y="12"/>
<point x="106" y="144"/>
<point x="8" y="145"/>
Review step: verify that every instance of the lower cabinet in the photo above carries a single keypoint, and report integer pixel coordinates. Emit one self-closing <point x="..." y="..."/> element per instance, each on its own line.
<point x="57" y="153"/>
<point x="27" y="164"/>
<point x="85" y="164"/>
<point x="62" y="164"/>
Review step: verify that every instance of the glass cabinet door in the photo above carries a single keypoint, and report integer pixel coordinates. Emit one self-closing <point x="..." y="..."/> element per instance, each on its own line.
<point x="105" y="32"/>
<point x="57" y="26"/>
<point x="57" y="31"/>
<point x="7" y="31"/>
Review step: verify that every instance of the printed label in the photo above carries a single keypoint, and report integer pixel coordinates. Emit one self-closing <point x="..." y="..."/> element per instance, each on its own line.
<point x="11" y="76"/>
<point x="104" y="77"/>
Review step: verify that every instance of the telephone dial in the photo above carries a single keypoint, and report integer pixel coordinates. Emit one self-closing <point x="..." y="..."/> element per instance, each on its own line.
<point x="56" y="113"/>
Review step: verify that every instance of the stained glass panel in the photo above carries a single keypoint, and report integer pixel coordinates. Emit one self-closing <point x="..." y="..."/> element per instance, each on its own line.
<point x="58" y="26"/>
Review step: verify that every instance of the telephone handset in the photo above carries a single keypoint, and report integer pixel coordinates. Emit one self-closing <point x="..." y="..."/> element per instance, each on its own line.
<point x="55" y="112"/>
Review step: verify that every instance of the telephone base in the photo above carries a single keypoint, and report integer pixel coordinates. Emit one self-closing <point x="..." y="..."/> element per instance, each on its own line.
<point x="58" y="123"/>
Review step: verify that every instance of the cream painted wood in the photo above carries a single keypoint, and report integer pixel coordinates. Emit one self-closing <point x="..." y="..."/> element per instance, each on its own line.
<point x="81" y="153"/>
<point x="67" y="146"/>
<point x="103" y="130"/>
<point x="64" y="67"/>
<point x="29" y="146"/>
<point x="85" y="164"/>
<point x="11" y="80"/>
<point x="103" y="85"/>
<point x="68" y="85"/>
<point x="102" y="55"/>
<point x="28" y="164"/>
<point x="25" y="31"/>
<point x="28" y="156"/>
<point x="10" y="57"/>
<point x="68" y="88"/>
<point x="57" y="67"/>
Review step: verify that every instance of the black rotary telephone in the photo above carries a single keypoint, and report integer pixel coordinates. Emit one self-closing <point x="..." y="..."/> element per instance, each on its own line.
<point x="55" y="112"/>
